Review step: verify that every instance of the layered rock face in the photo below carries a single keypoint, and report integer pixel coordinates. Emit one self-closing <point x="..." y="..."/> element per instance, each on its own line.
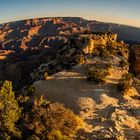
<point x="59" y="52"/>
<point x="97" y="40"/>
<point x="14" y="34"/>
<point x="108" y="112"/>
<point x="24" y="45"/>
<point x="35" y="41"/>
<point x="77" y="49"/>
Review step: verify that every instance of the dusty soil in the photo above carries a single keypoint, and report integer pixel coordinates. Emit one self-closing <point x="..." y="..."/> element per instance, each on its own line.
<point x="107" y="112"/>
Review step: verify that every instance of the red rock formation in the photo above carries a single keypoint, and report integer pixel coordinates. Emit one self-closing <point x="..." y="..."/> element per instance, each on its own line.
<point x="34" y="30"/>
<point x="34" y="37"/>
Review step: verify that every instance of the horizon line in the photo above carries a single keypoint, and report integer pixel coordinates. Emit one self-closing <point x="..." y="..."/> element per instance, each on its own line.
<point x="89" y="19"/>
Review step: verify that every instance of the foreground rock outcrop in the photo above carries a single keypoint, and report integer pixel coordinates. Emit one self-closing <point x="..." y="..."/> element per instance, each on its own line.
<point x="79" y="50"/>
<point x="106" y="111"/>
<point x="109" y="113"/>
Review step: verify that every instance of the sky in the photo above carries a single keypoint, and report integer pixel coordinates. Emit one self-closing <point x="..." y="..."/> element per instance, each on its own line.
<point x="115" y="11"/>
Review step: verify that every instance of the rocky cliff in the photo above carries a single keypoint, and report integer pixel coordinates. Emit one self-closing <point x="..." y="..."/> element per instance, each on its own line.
<point x="87" y="71"/>
<point x="26" y="44"/>
<point x="78" y="50"/>
<point x="77" y="78"/>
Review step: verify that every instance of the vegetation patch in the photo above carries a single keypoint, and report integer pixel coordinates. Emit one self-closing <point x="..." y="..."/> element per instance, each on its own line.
<point x="125" y="83"/>
<point x="46" y="120"/>
<point x="80" y="59"/>
<point x="9" y="112"/>
<point x="124" y="63"/>
<point x="25" y="118"/>
<point x="97" y="75"/>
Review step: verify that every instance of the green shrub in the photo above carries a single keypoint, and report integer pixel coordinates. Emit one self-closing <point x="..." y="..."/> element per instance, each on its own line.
<point x="96" y="52"/>
<point x="125" y="83"/>
<point x="123" y="63"/>
<point x="33" y="137"/>
<point x="30" y="89"/>
<point x="128" y="76"/>
<point x="111" y="49"/>
<point x="9" y="112"/>
<point x="80" y="59"/>
<point x="97" y="75"/>
<point x="45" y="118"/>
<point x="57" y="135"/>
<point x="105" y="53"/>
<point x="109" y="65"/>
<point x="39" y="119"/>
<point x="123" y="51"/>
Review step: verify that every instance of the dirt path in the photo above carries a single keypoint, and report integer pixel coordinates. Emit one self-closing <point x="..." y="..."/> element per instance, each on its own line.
<point x="107" y="113"/>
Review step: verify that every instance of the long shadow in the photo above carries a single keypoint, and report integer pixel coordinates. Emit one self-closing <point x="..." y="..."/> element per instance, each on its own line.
<point x="18" y="66"/>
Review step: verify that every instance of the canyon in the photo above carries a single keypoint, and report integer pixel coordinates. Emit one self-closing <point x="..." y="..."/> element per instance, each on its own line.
<point x="26" y="44"/>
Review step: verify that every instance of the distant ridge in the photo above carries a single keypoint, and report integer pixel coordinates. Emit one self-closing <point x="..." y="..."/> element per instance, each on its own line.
<point x="125" y="32"/>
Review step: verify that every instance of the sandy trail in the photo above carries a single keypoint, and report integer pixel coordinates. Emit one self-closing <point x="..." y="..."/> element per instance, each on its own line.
<point x="107" y="113"/>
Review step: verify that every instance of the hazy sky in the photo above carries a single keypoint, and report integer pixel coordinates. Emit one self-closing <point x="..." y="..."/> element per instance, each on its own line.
<point x="118" y="11"/>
